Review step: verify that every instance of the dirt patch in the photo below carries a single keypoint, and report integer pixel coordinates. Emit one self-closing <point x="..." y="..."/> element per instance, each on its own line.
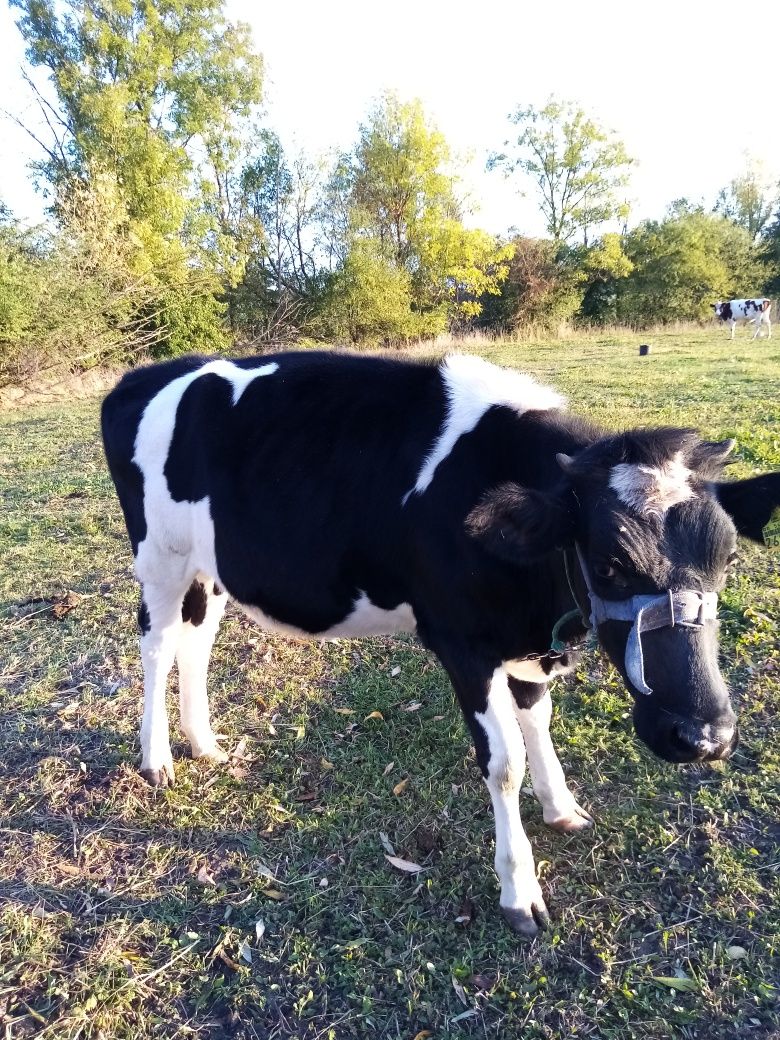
<point x="43" y="390"/>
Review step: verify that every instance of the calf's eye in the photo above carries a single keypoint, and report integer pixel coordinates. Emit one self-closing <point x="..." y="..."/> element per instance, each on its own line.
<point x="604" y="571"/>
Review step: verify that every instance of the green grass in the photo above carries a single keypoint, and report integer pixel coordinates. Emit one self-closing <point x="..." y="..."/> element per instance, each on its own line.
<point x="109" y="926"/>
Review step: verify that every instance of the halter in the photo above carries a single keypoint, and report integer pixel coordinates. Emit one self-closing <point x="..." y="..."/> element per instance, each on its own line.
<point x="686" y="607"/>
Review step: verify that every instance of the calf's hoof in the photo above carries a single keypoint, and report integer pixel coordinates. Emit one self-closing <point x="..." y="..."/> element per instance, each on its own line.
<point x="162" y="777"/>
<point x="212" y="752"/>
<point x="576" y="820"/>
<point x="527" y="922"/>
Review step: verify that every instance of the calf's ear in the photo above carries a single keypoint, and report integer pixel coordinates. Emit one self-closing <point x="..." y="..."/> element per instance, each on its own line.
<point x="750" y="503"/>
<point x="521" y="525"/>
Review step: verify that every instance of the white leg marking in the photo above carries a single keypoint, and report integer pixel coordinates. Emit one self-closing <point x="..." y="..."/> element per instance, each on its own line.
<point x="192" y="657"/>
<point x="733" y="326"/>
<point x="520" y="891"/>
<point x="158" y="650"/>
<point x="560" y="810"/>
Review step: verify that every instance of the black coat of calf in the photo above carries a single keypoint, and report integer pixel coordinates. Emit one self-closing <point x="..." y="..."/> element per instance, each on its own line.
<point x="340" y="495"/>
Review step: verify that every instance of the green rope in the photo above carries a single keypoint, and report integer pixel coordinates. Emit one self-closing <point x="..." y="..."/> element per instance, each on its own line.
<point x="557" y="645"/>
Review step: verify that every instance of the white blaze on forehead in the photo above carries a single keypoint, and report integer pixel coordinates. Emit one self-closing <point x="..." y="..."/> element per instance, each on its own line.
<point x="473" y="386"/>
<point x="652" y="489"/>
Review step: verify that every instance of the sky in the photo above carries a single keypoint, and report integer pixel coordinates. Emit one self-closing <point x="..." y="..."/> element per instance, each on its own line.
<point x="689" y="86"/>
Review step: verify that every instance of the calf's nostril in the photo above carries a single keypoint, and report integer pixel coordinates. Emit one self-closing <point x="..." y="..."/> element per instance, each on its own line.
<point x="681" y="741"/>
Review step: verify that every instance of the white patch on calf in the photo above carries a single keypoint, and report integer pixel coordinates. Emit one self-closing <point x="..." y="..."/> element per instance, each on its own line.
<point x="532" y="671"/>
<point x="652" y="489"/>
<point x="365" y="619"/>
<point x="180" y="534"/>
<point x="473" y="386"/>
<point x="179" y="544"/>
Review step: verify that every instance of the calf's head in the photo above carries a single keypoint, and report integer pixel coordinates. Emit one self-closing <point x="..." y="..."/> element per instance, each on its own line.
<point x="655" y="532"/>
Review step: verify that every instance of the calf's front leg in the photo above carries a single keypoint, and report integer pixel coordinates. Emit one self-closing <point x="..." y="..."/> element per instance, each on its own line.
<point x="560" y="810"/>
<point x="486" y="701"/>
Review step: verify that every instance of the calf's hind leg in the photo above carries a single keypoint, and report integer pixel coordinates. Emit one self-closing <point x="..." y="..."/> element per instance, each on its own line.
<point x="160" y="621"/>
<point x="202" y="610"/>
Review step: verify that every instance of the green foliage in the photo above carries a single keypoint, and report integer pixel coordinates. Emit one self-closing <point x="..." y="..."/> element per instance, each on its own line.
<point x="281" y="206"/>
<point x="78" y="297"/>
<point x="578" y="168"/>
<point x="543" y="288"/>
<point x="150" y="97"/>
<point x="748" y="200"/>
<point x="682" y="265"/>
<point x="400" y="193"/>
<point x="369" y="300"/>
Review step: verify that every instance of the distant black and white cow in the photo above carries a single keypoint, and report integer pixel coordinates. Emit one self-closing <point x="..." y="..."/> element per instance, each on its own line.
<point x="756" y="311"/>
<point x="337" y="495"/>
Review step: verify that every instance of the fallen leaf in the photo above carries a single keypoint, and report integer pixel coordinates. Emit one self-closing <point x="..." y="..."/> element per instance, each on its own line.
<point x="386" y="843"/>
<point x="388" y="768"/>
<point x="228" y="960"/>
<point x="423" y="1034"/>
<point x="482" y="982"/>
<point x="240" y="749"/>
<point x="412" y="706"/>
<point x="404" y="864"/>
<point x="203" y="877"/>
<point x="260" y="929"/>
<point x="395" y="671"/>
<point x="344" y="711"/>
<point x="460" y="991"/>
<point x="374" y="715"/>
<point x="238" y="772"/>
<point x="736" y="953"/>
<point x="425" y="839"/>
<point x="63" y="605"/>
<point x="684" y="985"/>
<point x="299" y="731"/>
<point x="465" y="912"/>
<point x="326" y="764"/>
<point x="38" y="913"/>
<point x="306" y="796"/>
<point x="323" y="882"/>
<point x="438" y="718"/>
<point x="245" y="952"/>
<point x="273" y="893"/>
<point x="401" y="786"/>
<point x="464" y="1015"/>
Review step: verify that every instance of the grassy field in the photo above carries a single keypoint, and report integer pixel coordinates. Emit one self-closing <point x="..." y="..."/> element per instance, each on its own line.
<point x="255" y="900"/>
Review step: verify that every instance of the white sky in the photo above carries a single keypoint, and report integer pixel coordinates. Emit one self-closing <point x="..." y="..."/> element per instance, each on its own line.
<point x="690" y="85"/>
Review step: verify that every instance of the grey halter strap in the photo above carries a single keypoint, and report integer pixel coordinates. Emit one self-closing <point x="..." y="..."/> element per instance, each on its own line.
<point x="685" y="607"/>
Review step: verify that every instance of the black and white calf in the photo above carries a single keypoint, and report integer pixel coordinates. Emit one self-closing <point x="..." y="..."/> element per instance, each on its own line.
<point x="756" y="310"/>
<point x="337" y="495"/>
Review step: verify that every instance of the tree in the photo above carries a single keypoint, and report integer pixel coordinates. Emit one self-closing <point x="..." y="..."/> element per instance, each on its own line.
<point x="150" y="96"/>
<point x="281" y="214"/>
<point x="748" y="200"/>
<point x="73" y="299"/>
<point x="401" y="194"/>
<point x="369" y="298"/>
<point x="579" y="169"/>
<point x="683" y="264"/>
<point x="542" y="289"/>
